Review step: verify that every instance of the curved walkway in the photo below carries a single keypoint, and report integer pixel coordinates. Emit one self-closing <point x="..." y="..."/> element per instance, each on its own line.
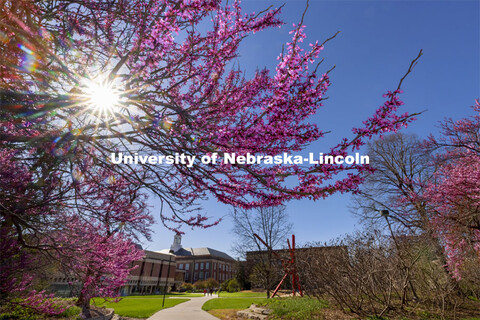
<point x="186" y="311"/>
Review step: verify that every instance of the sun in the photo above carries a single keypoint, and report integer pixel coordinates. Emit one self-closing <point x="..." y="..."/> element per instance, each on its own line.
<point x="101" y="96"/>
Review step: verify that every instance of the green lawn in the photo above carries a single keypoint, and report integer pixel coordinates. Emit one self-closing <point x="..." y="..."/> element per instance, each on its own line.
<point x="169" y="295"/>
<point x="293" y="308"/>
<point x="230" y="303"/>
<point x="243" y="294"/>
<point x="283" y="308"/>
<point x="138" y="307"/>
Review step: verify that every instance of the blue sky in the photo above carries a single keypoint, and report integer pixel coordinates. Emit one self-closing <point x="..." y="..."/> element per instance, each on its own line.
<point x="378" y="40"/>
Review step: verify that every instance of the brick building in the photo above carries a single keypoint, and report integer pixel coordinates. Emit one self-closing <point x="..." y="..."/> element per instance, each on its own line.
<point x="195" y="264"/>
<point x="266" y="267"/>
<point x="163" y="270"/>
<point x="253" y="257"/>
<point x="155" y="273"/>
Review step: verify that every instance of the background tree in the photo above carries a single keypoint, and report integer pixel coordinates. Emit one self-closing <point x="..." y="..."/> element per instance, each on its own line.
<point x="402" y="170"/>
<point x="431" y="188"/>
<point x="242" y="274"/>
<point x="454" y="193"/>
<point x="200" y="285"/>
<point x="231" y="285"/>
<point x="457" y="216"/>
<point x="273" y="226"/>
<point x="211" y="283"/>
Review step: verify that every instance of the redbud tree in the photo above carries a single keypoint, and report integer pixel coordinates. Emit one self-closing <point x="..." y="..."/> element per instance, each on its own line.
<point x="83" y="79"/>
<point x="454" y="193"/>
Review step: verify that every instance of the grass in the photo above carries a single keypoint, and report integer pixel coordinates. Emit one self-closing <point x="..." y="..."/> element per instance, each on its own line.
<point x="293" y="308"/>
<point x="224" y="313"/>
<point x="170" y="295"/>
<point x="230" y="303"/>
<point x="297" y="308"/>
<point x="243" y="294"/>
<point x="138" y="307"/>
<point x="282" y="308"/>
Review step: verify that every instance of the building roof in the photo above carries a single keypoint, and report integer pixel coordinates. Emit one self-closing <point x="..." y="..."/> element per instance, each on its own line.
<point x="158" y="255"/>
<point x="194" y="252"/>
<point x="287" y="251"/>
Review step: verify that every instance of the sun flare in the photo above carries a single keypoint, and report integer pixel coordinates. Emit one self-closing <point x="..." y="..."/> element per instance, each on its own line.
<point x="102" y="96"/>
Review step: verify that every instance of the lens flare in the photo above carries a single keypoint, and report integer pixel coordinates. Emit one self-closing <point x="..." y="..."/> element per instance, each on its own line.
<point x="101" y="95"/>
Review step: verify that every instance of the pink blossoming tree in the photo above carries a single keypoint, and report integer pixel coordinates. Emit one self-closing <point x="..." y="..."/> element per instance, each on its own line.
<point x="454" y="193"/>
<point x="170" y="70"/>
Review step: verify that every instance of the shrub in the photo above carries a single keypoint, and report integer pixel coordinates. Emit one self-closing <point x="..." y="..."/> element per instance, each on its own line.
<point x="231" y="285"/>
<point x="211" y="283"/>
<point x="200" y="285"/>
<point x="21" y="313"/>
<point x="188" y="287"/>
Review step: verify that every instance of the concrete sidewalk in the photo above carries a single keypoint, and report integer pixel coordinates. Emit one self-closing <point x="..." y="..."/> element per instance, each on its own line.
<point x="186" y="311"/>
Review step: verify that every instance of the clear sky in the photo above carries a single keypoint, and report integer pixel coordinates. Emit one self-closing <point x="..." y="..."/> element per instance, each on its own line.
<point x="378" y="40"/>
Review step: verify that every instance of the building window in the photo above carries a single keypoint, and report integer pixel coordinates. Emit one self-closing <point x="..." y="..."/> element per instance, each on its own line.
<point x="201" y="266"/>
<point x="196" y="266"/>
<point x="180" y="266"/>
<point x="207" y="265"/>
<point x="201" y="275"/>
<point x="214" y="266"/>
<point x="187" y="276"/>
<point x="187" y="266"/>
<point x="207" y="275"/>
<point x="195" y="276"/>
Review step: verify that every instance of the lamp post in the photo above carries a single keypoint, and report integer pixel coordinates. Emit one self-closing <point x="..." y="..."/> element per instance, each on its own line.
<point x="166" y="281"/>
<point x="386" y="214"/>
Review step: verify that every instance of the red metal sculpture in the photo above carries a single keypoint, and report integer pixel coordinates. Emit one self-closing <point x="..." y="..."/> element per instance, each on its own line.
<point x="288" y="266"/>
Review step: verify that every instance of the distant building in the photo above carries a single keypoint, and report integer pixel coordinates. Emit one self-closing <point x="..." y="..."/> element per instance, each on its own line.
<point x="155" y="273"/>
<point x="255" y="260"/>
<point x="195" y="264"/>
<point x="253" y="257"/>
<point x="161" y="271"/>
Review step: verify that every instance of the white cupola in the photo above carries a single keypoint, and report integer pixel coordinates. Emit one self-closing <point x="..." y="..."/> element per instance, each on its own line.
<point x="177" y="243"/>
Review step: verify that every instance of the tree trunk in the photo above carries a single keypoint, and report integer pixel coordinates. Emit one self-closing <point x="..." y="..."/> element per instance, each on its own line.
<point x="84" y="303"/>
<point x="440" y="253"/>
